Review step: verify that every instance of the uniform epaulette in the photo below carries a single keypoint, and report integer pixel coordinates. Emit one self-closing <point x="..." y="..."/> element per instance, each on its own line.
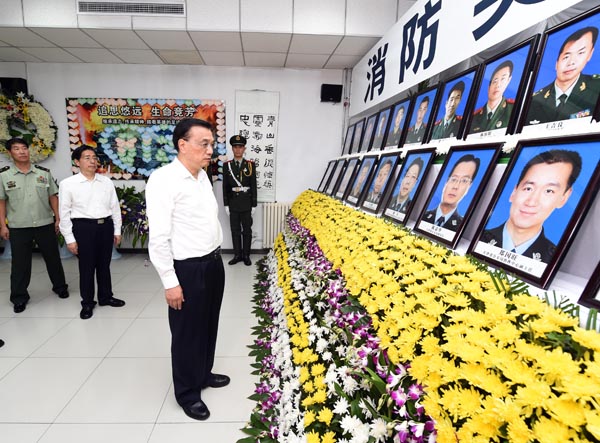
<point x="42" y="168"/>
<point x="478" y="111"/>
<point x="537" y="92"/>
<point x="439" y="122"/>
<point x="459" y="117"/>
<point x="510" y="100"/>
<point x="595" y="76"/>
<point x="5" y="168"/>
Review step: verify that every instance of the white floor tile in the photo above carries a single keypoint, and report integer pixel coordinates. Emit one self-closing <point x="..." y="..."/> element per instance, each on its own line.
<point x="21" y="433"/>
<point x="197" y="432"/>
<point x="146" y="337"/>
<point x="97" y="433"/>
<point x="24" y="335"/>
<point x="41" y="387"/>
<point x="7" y="364"/>
<point x="135" y="302"/>
<point x="147" y="282"/>
<point x="234" y="336"/>
<point x="157" y="307"/>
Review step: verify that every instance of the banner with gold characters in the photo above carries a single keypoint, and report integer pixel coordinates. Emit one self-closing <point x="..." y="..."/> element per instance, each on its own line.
<point x="133" y="137"/>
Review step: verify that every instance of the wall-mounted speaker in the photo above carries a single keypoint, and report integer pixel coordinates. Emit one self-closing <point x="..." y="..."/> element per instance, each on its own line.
<point x="331" y="93"/>
<point x="12" y="85"/>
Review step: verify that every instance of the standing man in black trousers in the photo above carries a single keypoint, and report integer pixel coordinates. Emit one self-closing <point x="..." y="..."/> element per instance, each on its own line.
<point x="239" y="197"/>
<point x="90" y="221"/>
<point x="185" y="248"/>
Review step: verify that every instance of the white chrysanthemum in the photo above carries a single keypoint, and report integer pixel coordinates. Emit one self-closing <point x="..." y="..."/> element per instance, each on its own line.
<point x="379" y="430"/>
<point x="341" y="406"/>
<point x="349" y="424"/>
<point x="361" y="434"/>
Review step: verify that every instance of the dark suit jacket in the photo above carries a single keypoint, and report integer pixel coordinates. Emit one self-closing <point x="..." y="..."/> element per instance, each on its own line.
<point x="440" y="131"/>
<point x="452" y="223"/>
<point x="246" y="175"/>
<point x="542" y="249"/>
<point x="580" y="103"/>
<point x="499" y="119"/>
<point x="416" y="136"/>
<point x="394" y="137"/>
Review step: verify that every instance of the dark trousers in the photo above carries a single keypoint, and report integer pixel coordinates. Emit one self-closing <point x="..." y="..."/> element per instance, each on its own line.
<point x="241" y="232"/>
<point x="194" y="327"/>
<point x="95" y="245"/>
<point x="21" y="243"/>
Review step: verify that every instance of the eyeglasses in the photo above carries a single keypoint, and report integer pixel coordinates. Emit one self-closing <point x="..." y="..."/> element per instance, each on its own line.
<point x="203" y="144"/>
<point x="459" y="180"/>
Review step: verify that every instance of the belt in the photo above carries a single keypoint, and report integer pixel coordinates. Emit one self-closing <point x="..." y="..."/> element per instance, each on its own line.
<point x="96" y="221"/>
<point x="208" y="257"/>
<point x="241" y="189"/>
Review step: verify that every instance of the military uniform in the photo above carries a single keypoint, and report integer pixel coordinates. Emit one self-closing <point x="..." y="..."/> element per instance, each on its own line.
<point x="441" y="130"/>
<point x="416" y="135"/>
<point x="394" y="137"/>
<point x="541" y="249"/>
<point x="402" y="207"/>
<point x="499" y="118"/>
<point x="30" y="218"/>
<point x="452" y="223"/>
<point x="580" y="103"/>
<point x="239" y="194"/>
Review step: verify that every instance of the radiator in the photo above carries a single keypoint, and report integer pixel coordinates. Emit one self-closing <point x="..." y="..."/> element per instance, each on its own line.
<point x="273" y="221"/>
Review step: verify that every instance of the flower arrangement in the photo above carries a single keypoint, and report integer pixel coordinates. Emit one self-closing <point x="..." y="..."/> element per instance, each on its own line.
<point x="22" y="116"/>
<point x="436" y="335"/>
<point x="133" y="212"/>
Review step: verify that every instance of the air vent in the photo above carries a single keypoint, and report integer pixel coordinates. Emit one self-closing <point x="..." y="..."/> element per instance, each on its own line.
<point x="173" y="8"/>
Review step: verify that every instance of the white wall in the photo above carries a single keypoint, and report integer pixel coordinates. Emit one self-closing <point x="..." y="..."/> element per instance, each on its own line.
<point x="310" y="132"/>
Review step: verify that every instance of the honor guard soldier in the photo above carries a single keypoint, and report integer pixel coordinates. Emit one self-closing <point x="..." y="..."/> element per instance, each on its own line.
<point x="239" y="197"/>
<point x="28" y="199"/>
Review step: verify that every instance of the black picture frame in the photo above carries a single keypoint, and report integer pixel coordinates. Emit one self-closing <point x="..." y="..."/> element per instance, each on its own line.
<point x="383" y="121"/>
<point x="346" y="178"/>
<point x="327" y="175"/>
<point x="543" y="110"/>
<point x="589" y="296"/>
<point x="509" y="71"/>
<point x="335" y="177"/>
<point x="398" y="124"/>
<point x="456" y="188"/>
<point x="358" y="133"/>
<point x="426" y="100"/>
<point x="456" y="96"/>
<point x="378" y="185"/>
<point x="416" y="164"/>
<point x="348" y="139"/>
<point x="560" y="218"/>
<point x="360" y="180"/>
<point x="369" y="132"/>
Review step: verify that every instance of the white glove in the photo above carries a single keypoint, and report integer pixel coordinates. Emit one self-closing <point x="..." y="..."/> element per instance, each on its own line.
<point x="252" y="211"/>
<point x="227" y="209"/>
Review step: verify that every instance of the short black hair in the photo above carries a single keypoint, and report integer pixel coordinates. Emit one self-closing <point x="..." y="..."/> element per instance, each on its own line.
<point x="467" y="158"/>
<point x="15" y="141"/>
<point x="460" y="87"/>
<point x="182" y="129"/>
<point x="556" y="156"/>
<point x="417" y="161"/>
<point x="76" y="154"/>
<point x="505" y="64"/>
<point x="577" y="35"/>
<point x="425" y="99"/>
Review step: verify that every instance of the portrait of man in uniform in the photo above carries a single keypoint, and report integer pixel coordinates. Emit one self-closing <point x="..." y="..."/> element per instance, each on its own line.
<point x="496" y="112"/>
<point x="342" y="188"/>
<point x="368" y="136"/>
<point x="380" y="132"/>
<point x="395" y="131"/>
<point x="358" y="132"/>
<point x="572" y="94"/>
<point x="361" y="179"/>
<point x="449" y="126"/>
<point x="379" y="183"/>
<point x="401" y="200"/>
<point x="416" y="133"/>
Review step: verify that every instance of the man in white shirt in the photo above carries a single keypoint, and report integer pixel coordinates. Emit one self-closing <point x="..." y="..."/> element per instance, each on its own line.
<point x="90" y="222"/>
<point x="184" y="246"/>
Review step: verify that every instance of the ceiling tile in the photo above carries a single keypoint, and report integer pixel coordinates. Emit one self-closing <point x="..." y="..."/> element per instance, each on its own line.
<point x="223" y="58"/>
<point x="138" y="56"/>
<point x="24" y="38"/>
<point x="52" y="55"/>
<point x="168" y="40"/>
<point x="12" y="13"/>
<point x="365" y="17"/>
<point x="319" y="17"/>
<point x="213" y="15"/>
<point x="264" y="59"/>
<point x="71" y="38"/>
<point x="351" y="45"/>
<point x="94" y="55"/>
<point x="266" y="16"/>
<point x="311" y="61"/>
<point x="314" y="44"/>
<point x="16" y="55"/>
<point x="181" y="57"/>
<point x="343" y="61"/>
<point x="217" y="41"/>
<point x="3" y="44"/>
<point x="265" y="42"/>
<point x="117" y="38"/>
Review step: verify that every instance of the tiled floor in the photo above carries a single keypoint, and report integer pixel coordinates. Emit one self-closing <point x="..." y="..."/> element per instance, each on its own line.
<point x="108" y="379"/>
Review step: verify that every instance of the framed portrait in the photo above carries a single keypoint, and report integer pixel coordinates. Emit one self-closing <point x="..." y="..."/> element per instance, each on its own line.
<point x="456" y="191"/>
<point x="501" y="90"/>
<point x="327" y="175"/>
<point x="381" y="130"/>
<point x="361" y="178"/>
<point x="408" y="184"/>
<point x="398" y="123"/>
<point x="348" y="140"/>
<point x="368" y="135"/>
<point x="567" y="79"/>
<point x="335" y="176"/>
<point x="422" y="114"/>
<point x="379" y="183"/>
<point x="542" y="198"/>
<point x="456" y="102"/>
<point x="346" y="178"/>
<point x="589" y="296"/>
<point x="356" y="139"/>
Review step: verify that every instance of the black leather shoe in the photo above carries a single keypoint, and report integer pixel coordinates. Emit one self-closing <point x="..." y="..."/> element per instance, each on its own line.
<point x="247" y="261"/>
<point x="235" y="260"/>
<point x="1" y="343"/>
<point x="86" y="312"/>
<point x="63" y="294"/>
<point x="19" y="307"/>
<point x="197" y="411"/>
<point x="217" y="381"/>
<point x="114" y="302"/>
